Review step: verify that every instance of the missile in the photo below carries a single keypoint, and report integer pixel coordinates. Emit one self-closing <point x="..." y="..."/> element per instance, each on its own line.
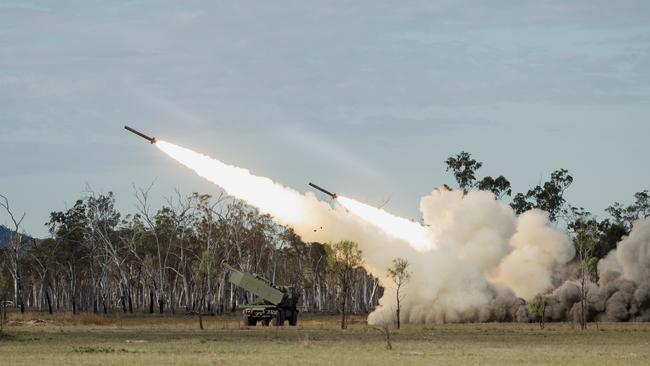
<point x="333" y="195"/>
<point x="150" y="139"/>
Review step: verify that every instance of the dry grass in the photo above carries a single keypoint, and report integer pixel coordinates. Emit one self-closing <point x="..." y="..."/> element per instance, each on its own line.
<point x="155" y="340"/>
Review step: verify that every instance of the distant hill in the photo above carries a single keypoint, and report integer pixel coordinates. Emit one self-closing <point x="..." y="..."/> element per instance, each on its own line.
<point x="6" y="234"/>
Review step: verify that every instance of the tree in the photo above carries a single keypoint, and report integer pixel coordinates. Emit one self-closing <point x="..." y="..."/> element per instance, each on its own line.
<point x="464" y="169"/>
<point x="585" y="241"/>
<point x="201" y="271"/>
<point x="3" y="300"/>
<point x="499" y="186"/>
<point x="15" y="253"/>
<point x="344" y="258"/>
<point x="400" y="275"/>
<point x="626" y="216"/>
<point x="102" y="221"/>
<point x="538" y="308"/>
<point x="69" y="229"/>
<point x="548" y="197"/>
<point x="609" y="234"/>
<point x="168" y="228"/>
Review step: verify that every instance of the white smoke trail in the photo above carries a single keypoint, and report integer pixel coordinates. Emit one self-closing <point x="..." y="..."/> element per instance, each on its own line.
<point x="285" y="204"/>
<point x="417" y="235"/>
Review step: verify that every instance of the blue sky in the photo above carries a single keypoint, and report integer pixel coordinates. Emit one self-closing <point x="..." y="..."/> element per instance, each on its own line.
<point x="367" y="99"/>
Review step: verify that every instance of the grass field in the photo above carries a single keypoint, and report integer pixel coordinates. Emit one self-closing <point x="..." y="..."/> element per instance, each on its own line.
<point x="38" y="339"/>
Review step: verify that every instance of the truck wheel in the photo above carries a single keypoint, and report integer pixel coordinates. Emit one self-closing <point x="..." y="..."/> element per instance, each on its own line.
<point x="249" y="321"/>
<point x="293" y="320"/>
<point x="279" y="319"/>
<point x="266" y="322"/>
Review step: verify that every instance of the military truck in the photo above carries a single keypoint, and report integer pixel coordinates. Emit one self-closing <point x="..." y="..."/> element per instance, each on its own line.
<point x="272" y="303"/>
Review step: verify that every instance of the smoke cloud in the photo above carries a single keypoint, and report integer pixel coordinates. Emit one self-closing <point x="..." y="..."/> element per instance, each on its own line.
<point x="633" y="253"/>
<point x="622" y="292"/>
<point x="487" y="260"/>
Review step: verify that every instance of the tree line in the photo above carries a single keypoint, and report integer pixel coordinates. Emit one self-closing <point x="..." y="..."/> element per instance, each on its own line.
<point x="171" y="260"/>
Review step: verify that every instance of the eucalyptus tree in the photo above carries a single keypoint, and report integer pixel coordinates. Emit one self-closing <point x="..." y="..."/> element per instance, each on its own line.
<point x="69" y="229"/>
<point x="400" y="275"/>
<point x="15" y="252"/>
<point x="3" y="301"/>
<point x="548" y="196"/>
<point x="585" y="240"/>
<point x="168" y="228"/>
<point x="43" y="266"/>
<point x="106" y="245"/>
<point x="627" y="215"/>
<point x="464" y="169"/>
<point x="208" y="213"/>
<point x="344" y="258"/>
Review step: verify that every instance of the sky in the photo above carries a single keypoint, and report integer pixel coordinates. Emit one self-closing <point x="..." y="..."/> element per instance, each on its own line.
<point x="366" y="98"/>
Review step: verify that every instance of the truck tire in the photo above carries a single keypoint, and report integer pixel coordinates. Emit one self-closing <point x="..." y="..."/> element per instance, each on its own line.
<point x="279" y="319"/>
<point x="293" y="320"/>
<point x="249" y="321"/>
<point x="266" y="322"/>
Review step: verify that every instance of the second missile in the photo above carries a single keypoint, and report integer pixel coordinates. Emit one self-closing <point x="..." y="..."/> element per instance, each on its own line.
<point x="150" y="139"/>
<point x="333" y="195"/>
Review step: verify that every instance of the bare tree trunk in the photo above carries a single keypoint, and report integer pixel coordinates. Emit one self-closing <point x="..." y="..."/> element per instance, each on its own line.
<point x="49" y="301"/>
<point x="161" y="304"/>
<point x="130" y="300"/>
<point x="343" y="323"/>
<point x="150" y="301"/>
<point x="398" y="309"/>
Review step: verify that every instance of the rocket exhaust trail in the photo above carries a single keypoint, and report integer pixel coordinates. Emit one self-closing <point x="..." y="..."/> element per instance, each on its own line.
<point x="287" y="205"/>
<point x="417" y="235"/>
<point x="284" y="203"/>
<point x="399" y="227"/>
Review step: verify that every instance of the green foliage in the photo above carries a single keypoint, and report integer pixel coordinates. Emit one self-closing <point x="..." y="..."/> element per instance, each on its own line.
<point x="399" y="272"/>
<point x="537" y="307"/>
<point x="464" y="168"/>
<point x="343" y="258"/>
<point x="400" y="275"/>
<point x="610" y="233"/>
<point x="499" y="186"/>
<point x="595" y="238"/>
<point x="548" y="196"/>
<point x="69" y="225"/>
<point x="201" y="268"/>
<point x="639" y="209"/>
<point x="586" y="239"/>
